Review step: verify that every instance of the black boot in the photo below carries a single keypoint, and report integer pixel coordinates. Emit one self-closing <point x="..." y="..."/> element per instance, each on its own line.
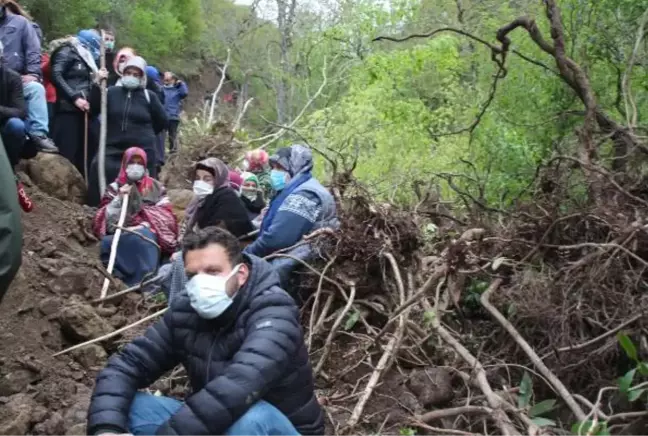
<point x="44" y="144"/>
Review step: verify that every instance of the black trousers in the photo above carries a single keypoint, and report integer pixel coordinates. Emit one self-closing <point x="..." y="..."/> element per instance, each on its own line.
<point x="173" y="135"/>
<point x="69" y="135"/>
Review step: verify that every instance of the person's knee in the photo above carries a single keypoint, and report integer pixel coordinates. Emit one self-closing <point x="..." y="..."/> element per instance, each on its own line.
<point x="34" y="90"/>
<point x="15" y="127"/>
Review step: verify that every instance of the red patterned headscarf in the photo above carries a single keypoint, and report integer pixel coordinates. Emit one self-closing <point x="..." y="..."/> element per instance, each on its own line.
<point x="146" y="183"/>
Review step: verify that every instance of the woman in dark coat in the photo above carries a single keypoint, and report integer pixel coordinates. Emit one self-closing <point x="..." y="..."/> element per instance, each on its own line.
<point x="74" y="72"/>
<point x="135" y="117"/>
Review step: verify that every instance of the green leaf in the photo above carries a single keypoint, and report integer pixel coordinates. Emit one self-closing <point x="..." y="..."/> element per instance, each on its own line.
<point x="643" y="368"/>
<point x="543" y="422"/>
<point x="541" y="408"/>
<point x="626" y="381"/>
<point x="583" y="428"/>
<point x="526" y="390"/>
<point x="628" y="346"/>
<point x="636" y="394"/>
<point x="352" y="320"/>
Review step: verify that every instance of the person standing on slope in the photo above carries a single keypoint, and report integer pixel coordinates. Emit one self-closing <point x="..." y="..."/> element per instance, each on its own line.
<point x="175" y="92"/>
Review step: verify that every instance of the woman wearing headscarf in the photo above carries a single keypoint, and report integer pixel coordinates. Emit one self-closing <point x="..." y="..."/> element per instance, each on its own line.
<point x="251" y="195"/>
<point x="74" y="73"/>
<point x="301" y="206"/>
<point x="258" y="163"/>
<point x="214" y="204"/>
<point x="148" y="214"/>
<point x="118" y="64"/>
<point x="135" y="117"/>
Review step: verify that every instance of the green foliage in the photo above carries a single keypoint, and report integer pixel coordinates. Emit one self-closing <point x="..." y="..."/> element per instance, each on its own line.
<point x="625" y="383"/>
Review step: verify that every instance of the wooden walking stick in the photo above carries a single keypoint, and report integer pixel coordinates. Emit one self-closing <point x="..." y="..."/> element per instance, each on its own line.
<point x="115" y="242"/>
<point x="101" y="156"/>
<point x="85" y="148"/>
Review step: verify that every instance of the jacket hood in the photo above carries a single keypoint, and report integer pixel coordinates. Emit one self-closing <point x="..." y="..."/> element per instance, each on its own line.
<point x="139" y="63"/>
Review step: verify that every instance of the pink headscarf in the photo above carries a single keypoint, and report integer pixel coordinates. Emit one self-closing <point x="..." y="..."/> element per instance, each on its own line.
<point x="235" y="180"/>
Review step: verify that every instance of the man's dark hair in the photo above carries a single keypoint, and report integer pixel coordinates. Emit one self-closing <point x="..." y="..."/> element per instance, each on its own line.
<point x="213" y="235"/>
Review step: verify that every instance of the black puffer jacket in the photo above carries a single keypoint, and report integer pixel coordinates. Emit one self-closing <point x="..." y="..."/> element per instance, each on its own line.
<point x="72" y="78"/>
<point x="132" y="120"/>
<point x="254" y="351"/>
<point x="12" y="99"/>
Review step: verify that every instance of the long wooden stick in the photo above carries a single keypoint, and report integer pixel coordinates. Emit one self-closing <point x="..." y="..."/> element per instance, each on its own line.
<point x="101" y="155"/>
<point x="85" y="147"/>
<point x="115" y="242"/>
<point x="110" y="335"/>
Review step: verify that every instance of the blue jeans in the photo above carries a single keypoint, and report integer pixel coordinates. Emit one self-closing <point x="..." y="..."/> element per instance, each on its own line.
<point x="149" y="412"/>
<point x="13" y="137"/>
<point x="37" y="115"/>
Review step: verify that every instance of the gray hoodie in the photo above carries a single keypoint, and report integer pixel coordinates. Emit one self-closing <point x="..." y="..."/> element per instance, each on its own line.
<point x="22" y="48"/>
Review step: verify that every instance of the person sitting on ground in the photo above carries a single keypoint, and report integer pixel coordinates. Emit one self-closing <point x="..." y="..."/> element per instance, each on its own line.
<point x="301" y="206"/>
<point x="13" y="111"/>
<point x="148" y="214"/>
<point x="20" y="38"/>
<point x="237" y="334"/>
<point x="252" y="196"/>
<point x="258" y="163"/>
<point x="11" y="232"/>
<point x="235" y="181"/>
<point x="75" y="73"/>
<point x="135" y="116"/>
<point x="214" y="204"/>
<point x="175" y="91"/>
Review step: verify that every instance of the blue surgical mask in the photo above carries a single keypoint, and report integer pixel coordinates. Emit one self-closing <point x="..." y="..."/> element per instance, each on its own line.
<point x="131" y="82"/>
<point x="208" y="294"/>
<point x="278" y="179"/>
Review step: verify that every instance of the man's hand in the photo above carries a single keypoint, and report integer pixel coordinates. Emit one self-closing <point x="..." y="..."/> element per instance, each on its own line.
<point x="82" y="104"/>
<point x="126" y="189"/>
<point x="28" y="78"/>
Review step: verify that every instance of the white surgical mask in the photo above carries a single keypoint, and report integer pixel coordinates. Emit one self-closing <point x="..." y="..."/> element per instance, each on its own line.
<point x="208" y="294"/>
<point x="202" y="189"/>
<point x="135" y="172"/>
<point x="131" y="82"/>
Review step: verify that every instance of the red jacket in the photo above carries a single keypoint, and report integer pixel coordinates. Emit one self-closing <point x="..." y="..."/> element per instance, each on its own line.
<point x="50" y="90"/>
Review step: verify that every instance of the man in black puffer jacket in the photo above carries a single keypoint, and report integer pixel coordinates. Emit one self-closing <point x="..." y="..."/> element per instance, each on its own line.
<point x="238" y="336"/>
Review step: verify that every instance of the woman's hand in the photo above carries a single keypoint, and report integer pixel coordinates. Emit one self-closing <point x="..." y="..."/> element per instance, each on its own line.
<point x="125" y="189"/>
<point x="82" y="104"/>
<point x="102" y="74"/>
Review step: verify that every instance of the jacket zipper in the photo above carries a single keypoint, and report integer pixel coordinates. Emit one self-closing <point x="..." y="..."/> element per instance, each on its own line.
<point x="126" y="111"/>
<point x="211" y="351"/>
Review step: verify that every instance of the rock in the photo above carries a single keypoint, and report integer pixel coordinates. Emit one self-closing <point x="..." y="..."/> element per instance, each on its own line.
<point x="106" y="311"/>
<point x="69" y="280"/>
<point x="432" y="386"/>
<point x="79" y="322"/>
<point x="56" y="176"/>
<point x="118" y="321"/>
<point x="180" y="199"/>
<point x="75" y="417"/>
<point x="49" y="306"/>
<point x="52" y="425"/>
<point x="90" y="356"/>
<point x="16" y="415"/>
<point x="16" y="382"/>
<point x="76" y="430"/>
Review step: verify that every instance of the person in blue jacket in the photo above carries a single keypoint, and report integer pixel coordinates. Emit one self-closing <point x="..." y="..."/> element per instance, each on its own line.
<point x="301" y="205"/>
<point x="175" y="91"/>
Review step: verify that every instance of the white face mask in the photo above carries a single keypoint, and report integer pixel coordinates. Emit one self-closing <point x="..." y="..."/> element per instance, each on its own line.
<point x="202" y="189"/>
<point x="250" y="194"/>
<point x="208" y="294"/>
<point x="135" y="172"/>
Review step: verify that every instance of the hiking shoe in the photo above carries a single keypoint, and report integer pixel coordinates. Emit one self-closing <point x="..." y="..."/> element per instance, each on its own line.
<point x="44" y="144"/>
<point x="25" y="202"/>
